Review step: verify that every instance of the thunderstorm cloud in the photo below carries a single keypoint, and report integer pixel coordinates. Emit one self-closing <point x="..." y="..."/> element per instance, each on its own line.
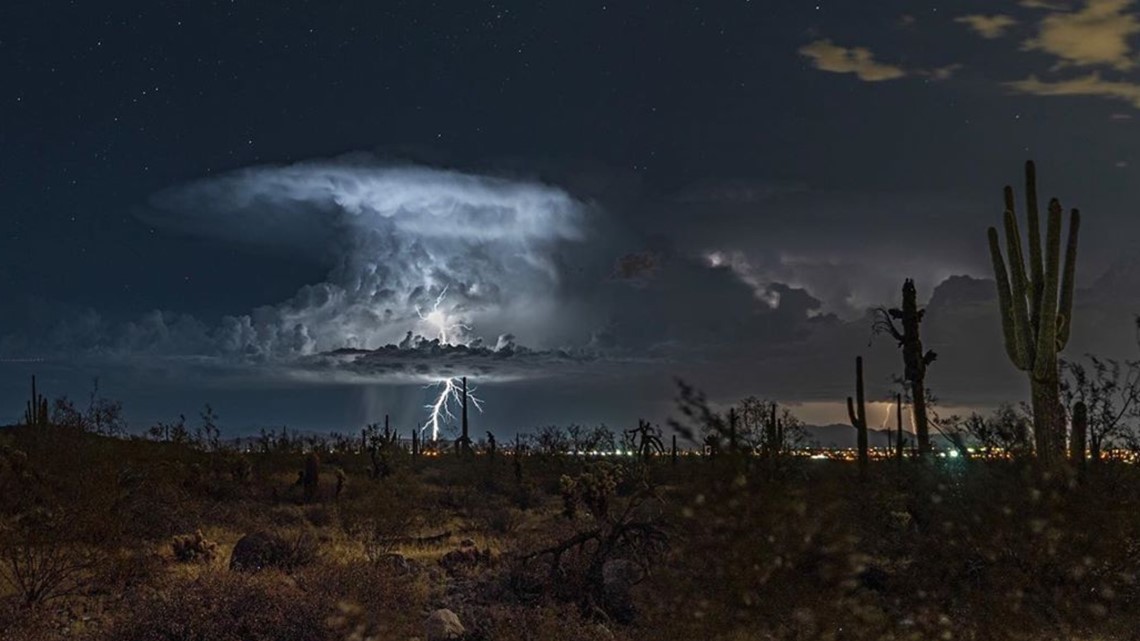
<point x="409" y="248"/>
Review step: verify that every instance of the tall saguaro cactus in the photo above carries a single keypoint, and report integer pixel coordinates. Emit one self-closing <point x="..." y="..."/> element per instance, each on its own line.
<point x="856" y="410"/>
<point x="465" y="439"/>
<point x="1037" y="307"/>
<point x="36" y="409"/>
<point x="915" y="361"/>
<point x="1080" y="436"/>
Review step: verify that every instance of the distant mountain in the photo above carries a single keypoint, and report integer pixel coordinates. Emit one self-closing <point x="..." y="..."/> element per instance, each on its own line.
<point x="840" y="435"/>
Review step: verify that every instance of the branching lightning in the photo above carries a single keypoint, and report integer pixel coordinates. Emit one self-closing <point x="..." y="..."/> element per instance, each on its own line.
<point x="451" y="392"/>
<point x="438" y="319"/>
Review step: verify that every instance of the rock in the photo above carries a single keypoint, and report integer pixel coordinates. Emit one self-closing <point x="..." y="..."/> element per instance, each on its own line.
<point x="618" y="578"/>
<point x="255" y="551"/>
<point x="465" y="559"/>
<point x="260" y="550"/>
<point x="398" y="562"/>
<point x="874" y="578"/>
<point x="443" y="625"/>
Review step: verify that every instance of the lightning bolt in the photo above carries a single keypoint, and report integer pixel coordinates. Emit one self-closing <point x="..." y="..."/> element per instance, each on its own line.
<point x="439" y="319"/>
<point x="440" y="410"/>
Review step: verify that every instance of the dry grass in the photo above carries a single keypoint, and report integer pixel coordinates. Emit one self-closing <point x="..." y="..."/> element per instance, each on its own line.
<point x="984" y="550"/>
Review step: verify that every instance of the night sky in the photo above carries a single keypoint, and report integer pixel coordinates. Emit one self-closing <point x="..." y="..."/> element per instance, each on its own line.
<point x="203" y="202"/>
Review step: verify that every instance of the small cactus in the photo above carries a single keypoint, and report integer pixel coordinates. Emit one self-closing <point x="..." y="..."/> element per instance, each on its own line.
<point x="194" y="548"/>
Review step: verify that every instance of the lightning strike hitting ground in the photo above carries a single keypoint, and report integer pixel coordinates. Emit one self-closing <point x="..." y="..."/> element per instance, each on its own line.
<point x="887" y="416"/>
<point x="441" y="408"/>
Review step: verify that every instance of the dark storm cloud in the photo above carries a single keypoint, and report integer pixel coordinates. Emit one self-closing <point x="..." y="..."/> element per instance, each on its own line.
<point x="425" y="263"/>
<point x="738" y="299"/>
<point x="844" y="247"/>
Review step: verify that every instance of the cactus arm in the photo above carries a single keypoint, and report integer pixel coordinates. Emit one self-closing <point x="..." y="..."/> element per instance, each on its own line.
<point x="851" y="412"/>
<point x="859" y="412"/>
<point x="1037" y="272"/>
<point x="1043" y="366"/>
<point x="1025" y="331"/>
<point x="1065" y="318"/>
<point x="1005" y="303"/>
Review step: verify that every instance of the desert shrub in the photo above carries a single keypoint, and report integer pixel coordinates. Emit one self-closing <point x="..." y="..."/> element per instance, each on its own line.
<point x="20" y="623"/>
<point x="126" y="570"/>
<point x="515" y="623"/>
<point x="222" y="606"/>
<point x="311" y="476"/>
<point x="152" y="502"/>
<point x="42" y="558"/>
<point x="466" y="559"/>
<point x="526" y="496"/>
<point x="241" y="470"/>
<point x="286" y="516"/>
<point x="390" y="603"/>
<point x="320" y="515"/>
<point x="193" y="548"/>
<point x="501" y="520"/>
<point x="261" y="550"/>
<point x="610" y="549"/>
<point x="382" y="519"/>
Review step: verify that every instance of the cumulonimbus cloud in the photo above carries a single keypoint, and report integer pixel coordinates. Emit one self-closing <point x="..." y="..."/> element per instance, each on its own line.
<point x="410" y="248"/>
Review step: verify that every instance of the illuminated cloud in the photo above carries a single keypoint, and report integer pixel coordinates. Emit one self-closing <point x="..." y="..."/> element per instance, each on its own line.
<point x="988" y="26"/>
<point x="409" y="248"/>
<point x="1044" y="4"/>
<point x="1096" y="35"/>
<point x="827" y="56"/>
<point x="1090" y="85"/>
<point x="941" y="73"/>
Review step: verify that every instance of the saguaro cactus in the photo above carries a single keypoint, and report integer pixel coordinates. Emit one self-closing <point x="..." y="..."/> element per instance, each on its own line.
<point x="915" y="360"/>
<point x="900" y="442"/>
<point x="311" y="475"/>
<point x="1037" y="307"/>
<point x="1080" y="435"/>
<point x="36" y="409"/>
<point x="772" y="440"/>
<point x="856" y="410"/>
<point x="465" y="439"/>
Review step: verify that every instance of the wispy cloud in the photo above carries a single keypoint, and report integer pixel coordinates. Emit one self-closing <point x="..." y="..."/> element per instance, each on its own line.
<point x="941" y="73"/>
<point x="828" y="56"/>
<point x="1044" y="4"/>
<point x="1089" y="85"/>
<point x="1096" y="35"/>
<point x="988" y="26"/>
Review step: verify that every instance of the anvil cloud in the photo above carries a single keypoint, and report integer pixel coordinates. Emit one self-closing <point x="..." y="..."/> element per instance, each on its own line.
<point x="401" y="242"/>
